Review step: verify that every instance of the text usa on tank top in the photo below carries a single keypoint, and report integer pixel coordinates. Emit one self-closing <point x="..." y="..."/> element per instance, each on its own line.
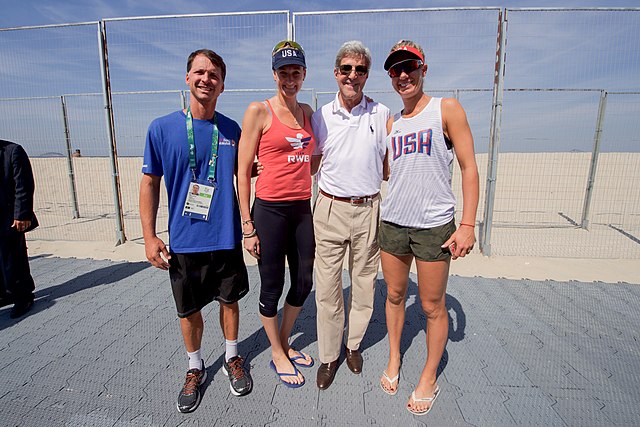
<point x="419" y="194"/>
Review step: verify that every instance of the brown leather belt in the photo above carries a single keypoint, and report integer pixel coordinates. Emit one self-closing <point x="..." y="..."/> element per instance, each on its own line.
<point x="352" y="200"/>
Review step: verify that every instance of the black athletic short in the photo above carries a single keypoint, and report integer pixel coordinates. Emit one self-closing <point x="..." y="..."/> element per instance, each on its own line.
<point x="199" y="278"/>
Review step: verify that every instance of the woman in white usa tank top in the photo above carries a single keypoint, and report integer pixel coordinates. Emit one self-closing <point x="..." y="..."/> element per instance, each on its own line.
<point x="417" y="213"/>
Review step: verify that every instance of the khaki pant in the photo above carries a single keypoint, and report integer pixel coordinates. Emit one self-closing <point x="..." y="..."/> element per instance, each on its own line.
<point x="340" y="226"/>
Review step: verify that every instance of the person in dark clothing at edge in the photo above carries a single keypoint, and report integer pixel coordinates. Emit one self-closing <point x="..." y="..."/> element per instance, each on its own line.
<point x="17" y="217"/>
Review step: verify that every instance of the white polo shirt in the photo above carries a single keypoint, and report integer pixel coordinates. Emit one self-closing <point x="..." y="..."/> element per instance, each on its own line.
<point x="352" y="145"/>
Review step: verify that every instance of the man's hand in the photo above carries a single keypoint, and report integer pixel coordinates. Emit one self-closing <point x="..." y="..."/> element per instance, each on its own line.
<point x="157" y="253"/>
<point x="257" y="169"/>
<point x="20" y="225"/>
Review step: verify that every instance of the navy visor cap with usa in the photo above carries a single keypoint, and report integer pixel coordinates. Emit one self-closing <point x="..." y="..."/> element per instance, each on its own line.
<point x="287" y="52"/>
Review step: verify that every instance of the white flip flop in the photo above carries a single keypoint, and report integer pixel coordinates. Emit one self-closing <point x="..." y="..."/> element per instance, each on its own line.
<point x="431" y="399"/>
<point x="391" y="381"/>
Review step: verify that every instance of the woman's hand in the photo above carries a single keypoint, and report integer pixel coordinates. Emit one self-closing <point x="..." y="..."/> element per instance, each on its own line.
<point x="252" y="245"/>
<point x="461" y="241"/>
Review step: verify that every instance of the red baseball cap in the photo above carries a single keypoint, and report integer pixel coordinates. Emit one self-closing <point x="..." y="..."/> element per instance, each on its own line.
<point x="402" y="52"/>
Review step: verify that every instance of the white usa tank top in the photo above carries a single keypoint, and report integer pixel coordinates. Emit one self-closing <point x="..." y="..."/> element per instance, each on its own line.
<point x="419" y="194"/>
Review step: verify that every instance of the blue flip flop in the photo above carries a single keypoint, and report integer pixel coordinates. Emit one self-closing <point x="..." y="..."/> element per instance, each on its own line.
<point x="301" y="356"/>
<point x="285" y="374"/>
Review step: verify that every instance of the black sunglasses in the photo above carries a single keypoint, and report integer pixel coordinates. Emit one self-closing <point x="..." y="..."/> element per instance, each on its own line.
<point x="408" y="66"/>
<point x="345" y="70"/>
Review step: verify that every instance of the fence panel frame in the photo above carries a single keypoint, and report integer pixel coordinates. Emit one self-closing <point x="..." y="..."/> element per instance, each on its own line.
<point x="486" y="219"/>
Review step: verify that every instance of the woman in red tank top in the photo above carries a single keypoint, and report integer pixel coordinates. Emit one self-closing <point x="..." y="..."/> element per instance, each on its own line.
<point x="280" y="225"/>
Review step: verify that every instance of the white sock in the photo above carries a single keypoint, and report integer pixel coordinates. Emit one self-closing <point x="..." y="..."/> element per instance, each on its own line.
<point x="231" y="349"/>
<point x="195" y="359"/>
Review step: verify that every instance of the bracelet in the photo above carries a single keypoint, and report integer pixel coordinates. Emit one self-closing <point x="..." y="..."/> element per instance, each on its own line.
<point x="251" y="234"/>
<point x="468" y="225"/>
<point x="249" y="221"/>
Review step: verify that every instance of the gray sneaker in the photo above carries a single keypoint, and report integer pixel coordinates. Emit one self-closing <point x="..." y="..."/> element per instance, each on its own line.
<point x="189" y="397"/>
<point x="240" y="381"/>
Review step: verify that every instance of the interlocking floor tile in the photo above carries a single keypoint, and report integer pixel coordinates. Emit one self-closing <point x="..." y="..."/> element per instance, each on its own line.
<point x="102" y="347"/>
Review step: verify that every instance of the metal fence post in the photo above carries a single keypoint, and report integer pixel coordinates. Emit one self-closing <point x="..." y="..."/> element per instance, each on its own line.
<point x="602" y="106"/>
<point x="291" y="26"/>
<point x="183" y="99"/>
<point x="72" y="177"/>
<point x="108" y="110"/>
<point x="494" y="137"/>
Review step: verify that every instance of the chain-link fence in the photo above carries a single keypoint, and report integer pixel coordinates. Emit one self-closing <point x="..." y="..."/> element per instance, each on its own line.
<point x="552" y="97"/>
<point x="568" y="153"/>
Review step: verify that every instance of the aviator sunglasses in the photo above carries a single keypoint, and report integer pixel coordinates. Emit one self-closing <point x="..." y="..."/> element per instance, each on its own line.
<point x="408" y="66"/>
<point x="284" y="44"/>
<point x="345" y="70"/>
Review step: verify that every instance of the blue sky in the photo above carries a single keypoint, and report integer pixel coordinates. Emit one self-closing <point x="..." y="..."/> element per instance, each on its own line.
<point x="545" y="50"/>
<point x="40" y="12"/>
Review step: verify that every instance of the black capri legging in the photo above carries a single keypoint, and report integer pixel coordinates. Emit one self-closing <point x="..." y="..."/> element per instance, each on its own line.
<point x="284" y="229"/>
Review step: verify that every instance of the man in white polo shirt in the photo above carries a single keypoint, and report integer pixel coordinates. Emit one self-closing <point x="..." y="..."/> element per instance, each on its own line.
<point x="350" y="133"/>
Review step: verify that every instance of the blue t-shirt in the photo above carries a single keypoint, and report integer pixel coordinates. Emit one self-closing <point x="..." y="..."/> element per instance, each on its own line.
<point x="166" y="153"/>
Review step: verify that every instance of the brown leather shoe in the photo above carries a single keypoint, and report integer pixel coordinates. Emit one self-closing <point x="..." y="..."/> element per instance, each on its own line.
<point x="326" y="374"/>
<point x="354" y="360"/>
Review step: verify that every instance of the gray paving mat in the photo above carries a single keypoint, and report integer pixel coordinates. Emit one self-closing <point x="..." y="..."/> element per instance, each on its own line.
<point x="102" y="347"/>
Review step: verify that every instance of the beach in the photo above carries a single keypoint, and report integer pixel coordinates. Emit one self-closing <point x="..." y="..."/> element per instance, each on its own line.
<point x="536" y="230"/>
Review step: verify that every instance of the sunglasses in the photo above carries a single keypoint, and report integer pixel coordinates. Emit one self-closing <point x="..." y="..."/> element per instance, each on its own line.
<point x="286" y="44"/>
<point x="345" y="70"/>
<point x="407" y="66"/>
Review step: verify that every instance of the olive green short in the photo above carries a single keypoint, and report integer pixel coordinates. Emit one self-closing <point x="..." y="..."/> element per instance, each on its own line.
<point x="423" y="243"/>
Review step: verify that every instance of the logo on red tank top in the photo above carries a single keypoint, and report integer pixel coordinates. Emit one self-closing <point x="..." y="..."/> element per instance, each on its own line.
<point x="300" y="142"/>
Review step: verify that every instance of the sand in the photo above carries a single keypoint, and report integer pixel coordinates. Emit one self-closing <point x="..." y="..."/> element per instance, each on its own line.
<point x="536" y="230"/>
<point x="475" y="264"/>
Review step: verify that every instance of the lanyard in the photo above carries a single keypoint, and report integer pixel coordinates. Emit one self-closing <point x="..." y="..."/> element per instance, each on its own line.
<point x="211" y="175"/>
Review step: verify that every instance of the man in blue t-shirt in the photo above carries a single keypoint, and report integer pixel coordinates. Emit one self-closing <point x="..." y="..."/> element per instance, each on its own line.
<point x="196" y="152"/>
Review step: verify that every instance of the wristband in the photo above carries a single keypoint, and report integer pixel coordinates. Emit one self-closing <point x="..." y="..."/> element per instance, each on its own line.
<point x="249" y="221"/>
<point x="250" y="234"/>
<point x="468" y="225"/>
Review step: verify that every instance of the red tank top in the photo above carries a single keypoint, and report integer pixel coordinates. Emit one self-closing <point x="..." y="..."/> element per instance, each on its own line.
<point x="285" y="154"/>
